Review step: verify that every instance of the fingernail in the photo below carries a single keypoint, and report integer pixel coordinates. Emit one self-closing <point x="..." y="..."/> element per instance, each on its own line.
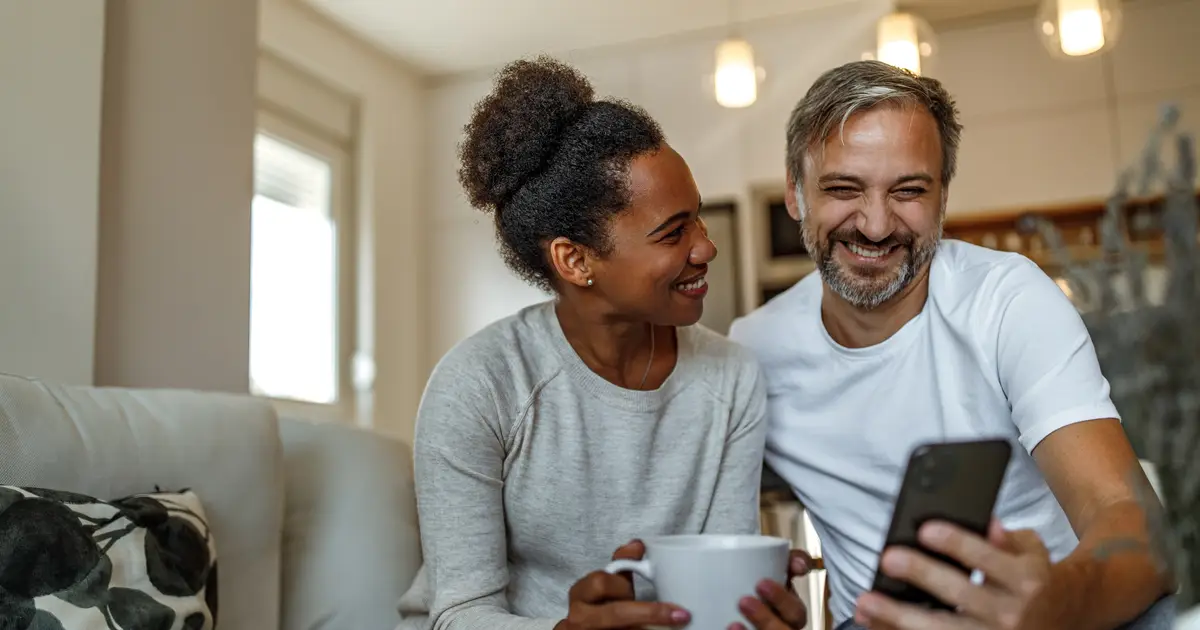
<point x="680" y="616"/>
<point x="895" y="561"/>
<point x="749" y="604"/>
<point x="764" y="587"/>
<point x="866" y="607"/>
<point x="799" y="565"/>
<point x="934" y="532"/>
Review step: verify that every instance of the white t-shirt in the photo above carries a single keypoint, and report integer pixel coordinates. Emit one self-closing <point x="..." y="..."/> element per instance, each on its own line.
<point x="998" y="350"/>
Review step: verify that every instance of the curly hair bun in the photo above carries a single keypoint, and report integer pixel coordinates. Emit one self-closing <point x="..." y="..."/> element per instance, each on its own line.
<point x="516" y="129"/>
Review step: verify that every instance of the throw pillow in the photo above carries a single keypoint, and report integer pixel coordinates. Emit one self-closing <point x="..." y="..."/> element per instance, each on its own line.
<point x="74" y="562"/>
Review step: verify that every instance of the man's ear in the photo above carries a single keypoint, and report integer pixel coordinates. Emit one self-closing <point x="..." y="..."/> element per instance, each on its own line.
<point x="570" y="261"/>
<point x="791" y="198"/>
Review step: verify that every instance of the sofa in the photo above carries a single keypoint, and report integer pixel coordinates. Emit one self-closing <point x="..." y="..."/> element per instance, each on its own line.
<point x="314" y="524"/>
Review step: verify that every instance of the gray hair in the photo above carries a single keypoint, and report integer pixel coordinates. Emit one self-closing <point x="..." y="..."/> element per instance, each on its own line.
<point x="862" y="85"/>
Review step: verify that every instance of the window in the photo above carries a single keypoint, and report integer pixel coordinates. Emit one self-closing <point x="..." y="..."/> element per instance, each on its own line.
<point x="301" y="277"/>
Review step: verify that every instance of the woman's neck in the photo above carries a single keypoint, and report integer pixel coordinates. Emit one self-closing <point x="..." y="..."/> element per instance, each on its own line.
<point x="623" y="352"/>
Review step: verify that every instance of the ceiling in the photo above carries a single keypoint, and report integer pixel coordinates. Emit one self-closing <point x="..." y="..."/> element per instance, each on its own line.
<point x="453" y="36"/>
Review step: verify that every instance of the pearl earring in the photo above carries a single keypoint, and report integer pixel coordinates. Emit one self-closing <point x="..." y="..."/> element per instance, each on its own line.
<point x="591" y="282"/>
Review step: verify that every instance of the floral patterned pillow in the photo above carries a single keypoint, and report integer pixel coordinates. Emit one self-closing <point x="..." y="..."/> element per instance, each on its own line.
<point x="73" y="562"/>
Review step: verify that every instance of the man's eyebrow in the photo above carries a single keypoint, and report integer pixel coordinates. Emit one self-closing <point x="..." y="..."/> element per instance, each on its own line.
<point x="915" y="177"/>
<point x="846" y="177"/>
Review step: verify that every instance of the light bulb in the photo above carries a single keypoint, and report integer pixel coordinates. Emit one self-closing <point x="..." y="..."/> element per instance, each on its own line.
<point x="1080" y="28"/>
<point x="897" y="43"/>
<point x="737" y="76"/>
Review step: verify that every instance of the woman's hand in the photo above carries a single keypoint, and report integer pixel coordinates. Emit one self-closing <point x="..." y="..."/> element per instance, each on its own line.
<point x="603" y="601"/>
<point x="778" y="607"/>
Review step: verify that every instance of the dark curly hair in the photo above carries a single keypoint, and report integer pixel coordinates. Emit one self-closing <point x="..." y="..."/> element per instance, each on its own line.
<point x="549" y="160"/>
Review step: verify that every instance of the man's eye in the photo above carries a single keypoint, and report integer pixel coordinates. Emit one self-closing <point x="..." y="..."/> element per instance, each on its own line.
<point x="677" y="232"/>
<point x="840" y="190"/>
<point x="911" y="192"/>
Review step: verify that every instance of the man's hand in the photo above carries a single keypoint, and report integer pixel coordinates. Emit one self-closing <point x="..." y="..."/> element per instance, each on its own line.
<point x="1021" y="590"/>
<point x="602" y="601"/>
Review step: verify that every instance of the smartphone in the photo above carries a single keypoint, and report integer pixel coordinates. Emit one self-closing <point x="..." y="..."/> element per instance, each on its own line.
<point x="957" y="482"/>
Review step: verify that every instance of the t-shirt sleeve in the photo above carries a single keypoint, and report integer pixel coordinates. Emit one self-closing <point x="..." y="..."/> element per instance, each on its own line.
<point x="1045" y="358"/>
<point x="736" y="500"/>
<point x="458" y="454"/>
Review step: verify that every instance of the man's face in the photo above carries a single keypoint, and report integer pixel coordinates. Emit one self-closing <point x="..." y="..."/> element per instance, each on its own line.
<point x="873" y="202"/>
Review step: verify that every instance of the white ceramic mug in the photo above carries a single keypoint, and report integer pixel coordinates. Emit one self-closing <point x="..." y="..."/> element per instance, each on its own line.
<point x="707" y="574"/>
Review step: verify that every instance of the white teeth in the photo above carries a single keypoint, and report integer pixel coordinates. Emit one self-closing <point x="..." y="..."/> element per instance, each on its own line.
<point x="867" y="253"/>
<point x="693" y="285"/>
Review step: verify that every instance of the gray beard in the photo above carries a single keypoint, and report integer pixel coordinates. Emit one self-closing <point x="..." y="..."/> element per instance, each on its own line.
<point x="868" y="294"/>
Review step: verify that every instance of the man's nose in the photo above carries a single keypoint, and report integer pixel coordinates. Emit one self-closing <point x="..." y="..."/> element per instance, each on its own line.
<point x="875" y="219"/>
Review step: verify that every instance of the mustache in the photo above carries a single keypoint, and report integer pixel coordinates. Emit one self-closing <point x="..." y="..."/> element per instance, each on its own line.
<point x="853" y="236"/>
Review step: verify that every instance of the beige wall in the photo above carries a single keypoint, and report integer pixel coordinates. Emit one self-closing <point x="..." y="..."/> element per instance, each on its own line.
<point x="1037" y="130"/>
<point x="177" y="160"/>
<point x="50" y="84"/>
<point x="392" y="219"/>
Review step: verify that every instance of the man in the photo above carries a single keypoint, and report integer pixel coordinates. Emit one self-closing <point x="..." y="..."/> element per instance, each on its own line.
<point x="903" y="338"/>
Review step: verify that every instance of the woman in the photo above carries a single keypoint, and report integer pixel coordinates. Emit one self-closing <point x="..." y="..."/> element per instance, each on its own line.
<point x="560" y="433"/>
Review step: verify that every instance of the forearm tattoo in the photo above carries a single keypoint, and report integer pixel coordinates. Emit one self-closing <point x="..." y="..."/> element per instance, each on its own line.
<point x="1158" y="542"/>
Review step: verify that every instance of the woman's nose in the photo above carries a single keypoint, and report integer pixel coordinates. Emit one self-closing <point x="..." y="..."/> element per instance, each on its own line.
<point x="703" y="250"/>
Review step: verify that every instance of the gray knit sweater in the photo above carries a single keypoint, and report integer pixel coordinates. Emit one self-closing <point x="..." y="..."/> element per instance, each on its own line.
<point x="531" y="469"/>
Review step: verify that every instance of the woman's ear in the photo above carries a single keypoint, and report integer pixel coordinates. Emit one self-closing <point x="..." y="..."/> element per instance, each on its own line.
<point x="570" y="261"/>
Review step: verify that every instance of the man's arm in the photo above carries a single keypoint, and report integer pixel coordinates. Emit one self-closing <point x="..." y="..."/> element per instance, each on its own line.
<point x="1060" y="402"/>
<point x="1121" y="565"/>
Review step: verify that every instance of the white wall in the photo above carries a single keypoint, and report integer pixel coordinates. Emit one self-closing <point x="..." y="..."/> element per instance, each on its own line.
<point x="390" y="166"/>
<point x="50" y="92"/>
<point x="1036" y="128"/>
<point x="177" y="165"/>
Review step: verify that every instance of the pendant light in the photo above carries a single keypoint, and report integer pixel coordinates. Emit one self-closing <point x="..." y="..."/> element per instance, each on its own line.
<point x="736" y="79"/>
<point x="904" y="40"/>
<point x="1078" y="28"/>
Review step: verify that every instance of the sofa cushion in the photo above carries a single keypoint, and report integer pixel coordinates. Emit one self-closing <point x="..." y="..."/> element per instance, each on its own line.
<point x="75" y="562"/>
<point x="351" y="545"/>
<point x="110" y="443"/>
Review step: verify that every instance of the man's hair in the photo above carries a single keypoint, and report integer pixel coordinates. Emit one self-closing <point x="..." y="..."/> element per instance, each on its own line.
<point x="862" y="85"/>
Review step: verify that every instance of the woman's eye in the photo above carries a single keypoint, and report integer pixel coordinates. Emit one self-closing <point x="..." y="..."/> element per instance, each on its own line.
<point x="676" y="233"/>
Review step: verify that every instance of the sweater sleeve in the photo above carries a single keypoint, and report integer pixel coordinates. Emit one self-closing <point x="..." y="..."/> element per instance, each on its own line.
<point x="736" y="499"/>
<point x="459" y="452"/>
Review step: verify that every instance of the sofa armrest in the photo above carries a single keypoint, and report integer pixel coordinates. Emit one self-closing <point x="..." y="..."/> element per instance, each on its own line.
<point x="350" y="540"/>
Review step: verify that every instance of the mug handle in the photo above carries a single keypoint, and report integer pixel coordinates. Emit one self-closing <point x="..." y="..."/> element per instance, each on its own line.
<point x="640" y="567"/>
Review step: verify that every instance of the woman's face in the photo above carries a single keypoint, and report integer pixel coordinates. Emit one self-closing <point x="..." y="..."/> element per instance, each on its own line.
<point x="660" y="247"/>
